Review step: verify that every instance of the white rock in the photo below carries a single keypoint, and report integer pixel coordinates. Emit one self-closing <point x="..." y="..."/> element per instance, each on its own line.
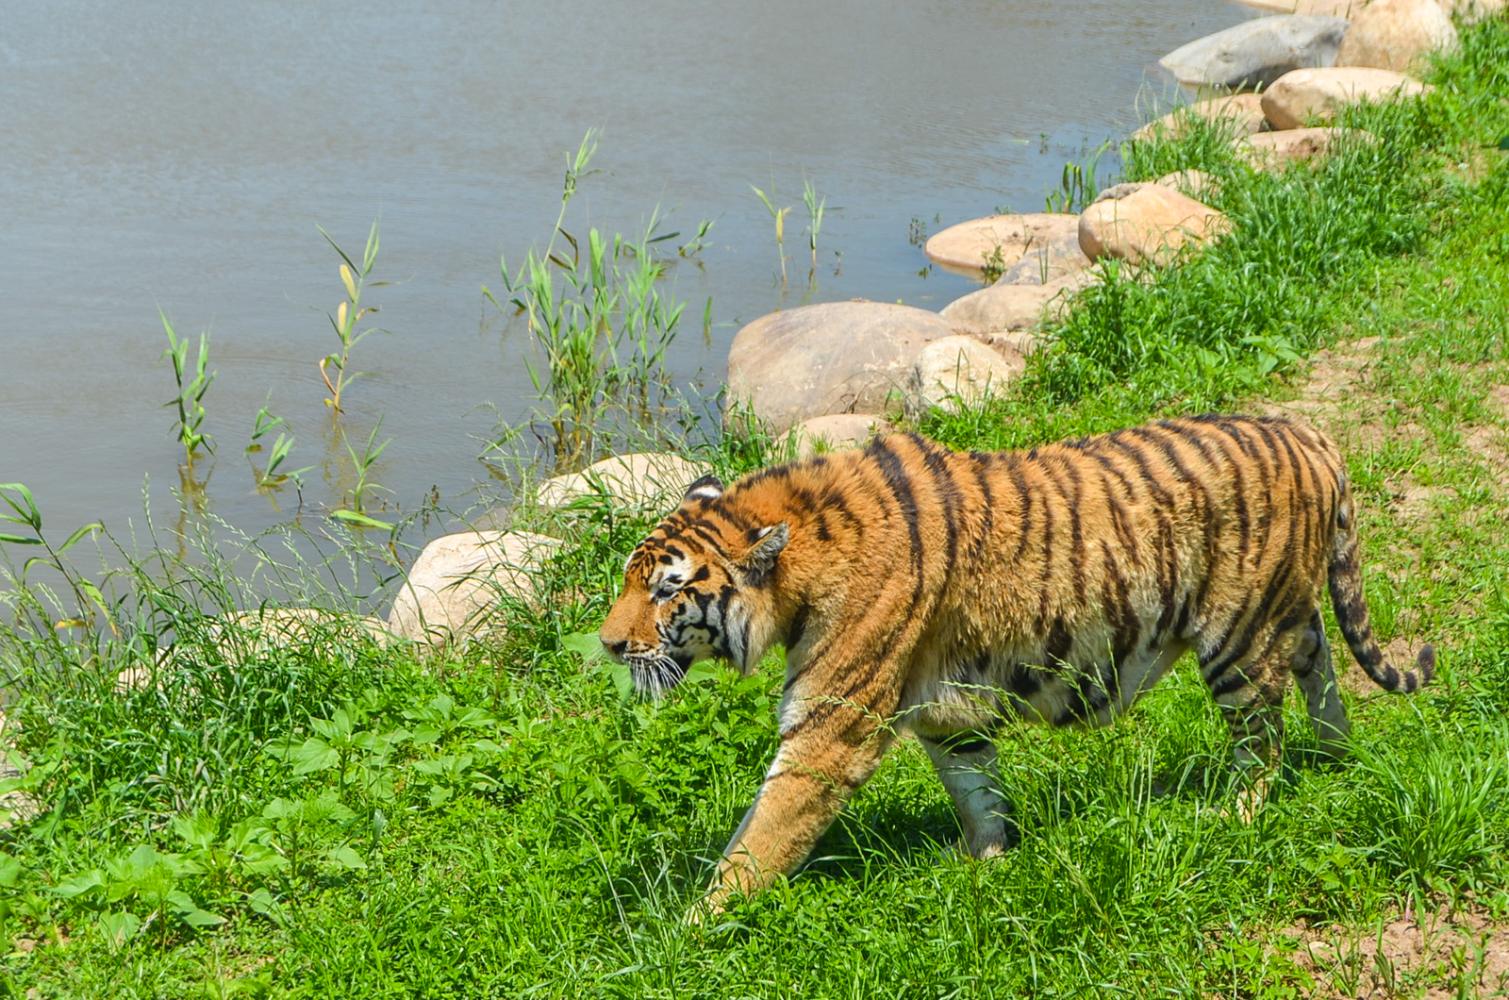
<point x="1151" y="223"/>
<point x="17" y="806"/>
<point x="1196" y="183"/>
<point x="454" y="589"/>
<point x="831" y="358"/>
<point x="1255" y="53"/>
<point x="1049" y="261"/>
<point x="1296" y="98"/>
<point x="1241" y="113"/>
<point x="1396" y="34"/>
<point x="957" y="370"/>
<point x="832" y="432"/>
<point x="644" y="480"/>
<point x="1273" y="150"/>
<point x="1011" y="308"/>
<point x="995" y="242"/>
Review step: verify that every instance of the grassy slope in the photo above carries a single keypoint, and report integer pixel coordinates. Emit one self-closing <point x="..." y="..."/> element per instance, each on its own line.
<point x="505" y="824"/>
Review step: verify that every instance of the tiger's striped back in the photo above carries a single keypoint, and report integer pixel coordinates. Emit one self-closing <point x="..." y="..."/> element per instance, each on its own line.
<point x="921" y="589"/>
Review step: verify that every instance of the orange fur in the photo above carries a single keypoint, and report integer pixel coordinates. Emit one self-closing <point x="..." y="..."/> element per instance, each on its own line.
<point x="921" y="590"/>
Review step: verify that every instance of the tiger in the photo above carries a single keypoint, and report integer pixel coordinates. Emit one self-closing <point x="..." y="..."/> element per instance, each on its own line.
<point x="922" y="591"/>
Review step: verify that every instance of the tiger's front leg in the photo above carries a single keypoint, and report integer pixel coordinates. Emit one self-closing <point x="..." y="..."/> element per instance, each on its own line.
<point x="821" y="762"/>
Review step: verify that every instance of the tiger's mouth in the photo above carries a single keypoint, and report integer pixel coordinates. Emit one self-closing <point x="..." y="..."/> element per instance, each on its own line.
<point x="655" y="674"/>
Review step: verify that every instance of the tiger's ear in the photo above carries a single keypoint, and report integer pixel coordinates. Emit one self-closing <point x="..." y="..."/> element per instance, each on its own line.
<point x="706" y="488"/>
<point x="758" y="563"/>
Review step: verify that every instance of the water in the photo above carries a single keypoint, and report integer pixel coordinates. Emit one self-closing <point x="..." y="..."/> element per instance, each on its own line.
<point x="180" y="156"/>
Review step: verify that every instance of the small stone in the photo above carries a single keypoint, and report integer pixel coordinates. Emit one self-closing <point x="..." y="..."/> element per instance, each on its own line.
<point x="454" y="590"/>
<point x="1153" y="223"/>
<point x="835" y="357"/>
<point x="1009" y="308"/>
<point x="1255" y="53"/>
<point x="960" y="370"/>
<point x="1396" y="34"/>
<point x="1305" y="94"/>
<point x="996" y="242"/>
<point x="644" y="481"/>
<point x="1241" y="113"/>
<point x="832" y="432"/>
<point x="1273" y="150"/>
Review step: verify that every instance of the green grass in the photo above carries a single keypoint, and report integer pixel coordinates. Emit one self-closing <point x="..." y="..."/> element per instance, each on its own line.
<point x="339" y="819"/>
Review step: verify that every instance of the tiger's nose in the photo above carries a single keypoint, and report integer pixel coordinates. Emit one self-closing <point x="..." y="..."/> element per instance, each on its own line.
<point x="616" y="648"/>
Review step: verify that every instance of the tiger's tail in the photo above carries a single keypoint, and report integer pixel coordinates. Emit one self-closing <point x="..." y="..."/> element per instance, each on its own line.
<point x="1344" y="576"/>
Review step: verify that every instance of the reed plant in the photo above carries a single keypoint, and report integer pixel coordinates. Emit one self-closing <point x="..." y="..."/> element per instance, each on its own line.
<point x="193" y="382"/>
<point x="348" y="316"/>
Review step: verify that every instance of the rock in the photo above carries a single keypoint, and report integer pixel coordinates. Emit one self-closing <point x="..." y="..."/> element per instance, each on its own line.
<point x="957" y="370"/>
<point x="1047" y="262"/>
<point x="1324" y="8"/>
<point x="15" y="806"/>
<point x="1396" y="34"/>
<point x="1196" y="183"/>
<point x="1255" y="53"/>
<point x="1273" y="150"/>
<point x="1473" y="11"/>
<point x="1152" y="223"/>
<point x="1296" y="98"/>
<point x="1115" y="193"/>
<point x="996" y="242"/>
<point x="1241" y="113"/>
<point x="1009" y="308"/>
<point x="832" y="432"/>
<point x="829" y="358"/>
<point x="454" y="588"/>
<point x="644" y="480"/>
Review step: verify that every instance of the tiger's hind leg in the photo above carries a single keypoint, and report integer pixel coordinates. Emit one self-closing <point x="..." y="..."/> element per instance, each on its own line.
<point x="1248" y="675"/>
<point x="967" y="767"/>
<point x="1313" y="670"/>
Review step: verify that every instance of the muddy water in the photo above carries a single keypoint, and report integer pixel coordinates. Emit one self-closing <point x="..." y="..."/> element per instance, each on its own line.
<point x="180" y="156"/>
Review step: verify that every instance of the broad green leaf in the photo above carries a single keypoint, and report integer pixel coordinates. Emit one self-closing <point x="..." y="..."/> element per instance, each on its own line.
<point x="11" y="870"/>
<point x="19" y="539"/>
<point x="79" y="884"/>
<point x="584" y="644"/>
<point x="119" y="927"/>
<point x="346" y="857"/>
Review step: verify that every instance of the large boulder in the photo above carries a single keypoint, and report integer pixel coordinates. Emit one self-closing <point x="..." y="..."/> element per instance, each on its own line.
<point x="1324" y="8"/>
<point x="1305" y="94"/>
<point x="1240" y="113"/>
<point x="1255" y="53"/>
<point x="1011" y="308"/>
<point x="832" y="432"/>
<point x="644" y="480"/>
<point x="1152" y="223"/>
<point x="454" y="589"/>
<point x="1049" y="261"/>
<point x="1275" y="150"/>
<point x="828" y="358"/>
<point x="995" y="242"/>
<point x="960" y="370"/>
<point x="1396" y="34"/>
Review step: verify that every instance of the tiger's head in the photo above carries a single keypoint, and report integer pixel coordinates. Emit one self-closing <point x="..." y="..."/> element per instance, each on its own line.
<point x="697" y="587"/>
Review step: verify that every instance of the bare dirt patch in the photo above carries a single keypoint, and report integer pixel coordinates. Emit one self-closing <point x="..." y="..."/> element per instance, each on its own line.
<point x="1437" y="956"/>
